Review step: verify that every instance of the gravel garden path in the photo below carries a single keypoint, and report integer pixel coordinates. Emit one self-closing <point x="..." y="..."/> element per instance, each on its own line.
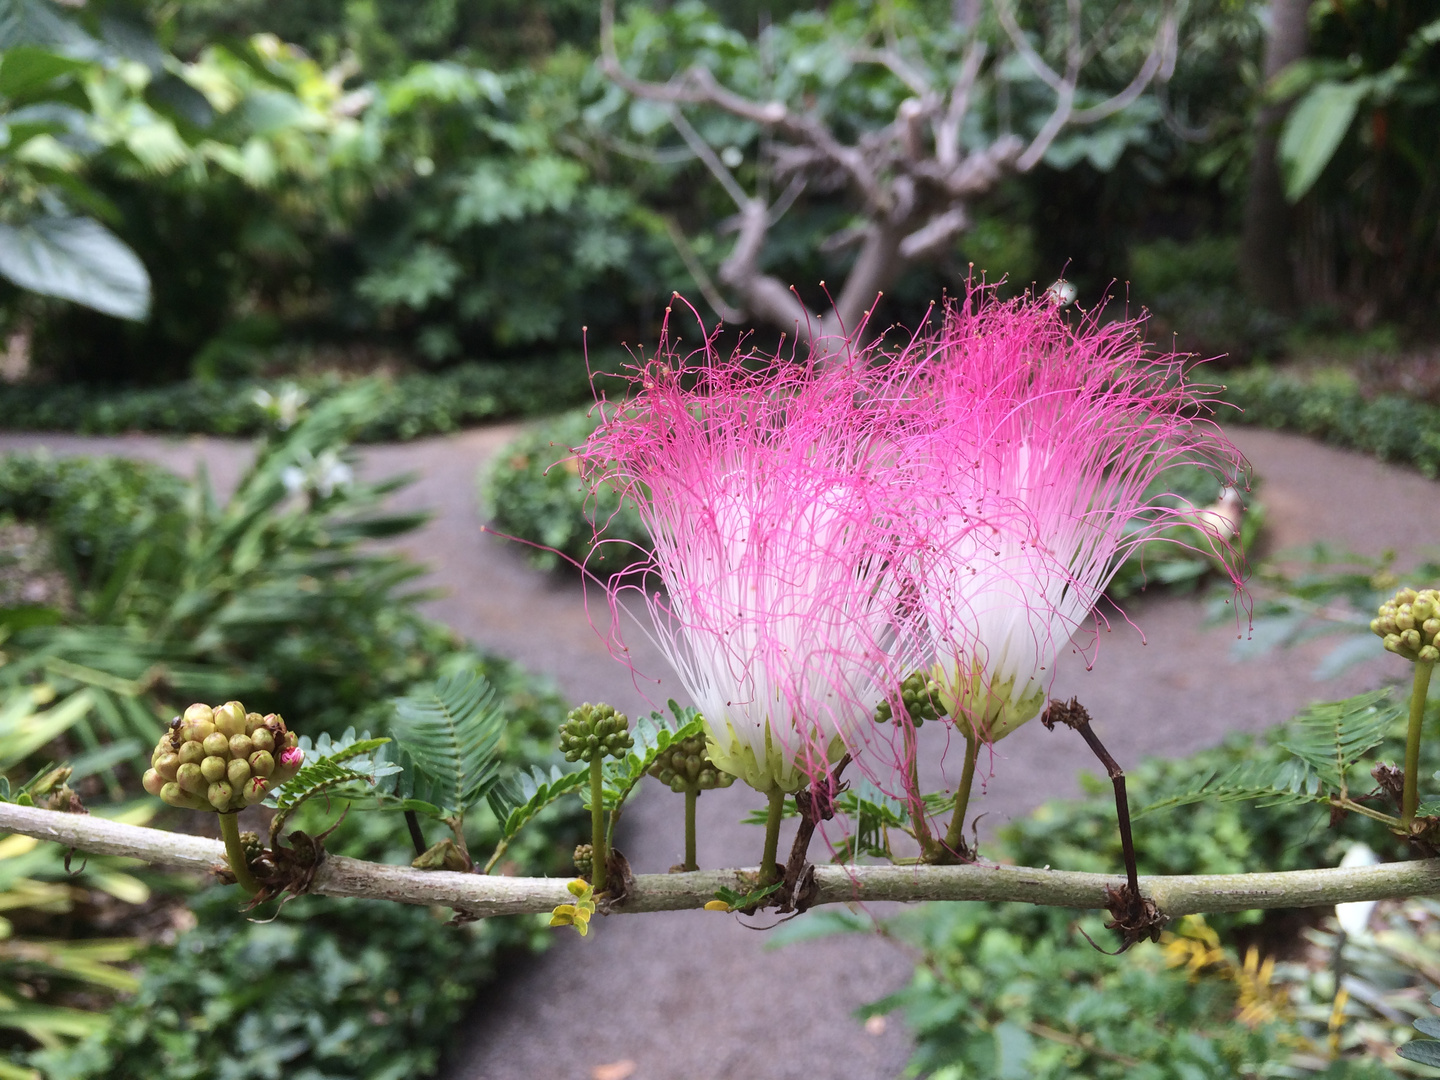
<point x="696" y="995"/>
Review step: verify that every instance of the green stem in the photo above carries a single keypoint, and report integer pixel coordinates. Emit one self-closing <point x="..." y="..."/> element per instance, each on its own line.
<point x="769" y="871"/>
<point x="918" y="821"/>
<point x="235" y="853"/>
<point x="955" y="835"/>
<point x="597" y="824"/>
<point x="691" y="794"/>
<point x="1419" y="688"/>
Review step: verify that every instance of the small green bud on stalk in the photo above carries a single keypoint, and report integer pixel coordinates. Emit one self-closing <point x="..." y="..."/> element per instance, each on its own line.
<point x="167" y="764"/>
<point x="216" y="743"/>
<point x="213" y="768"/>
<point x="240" y="746"/>
<point x="255" y="789"/>
<point x="175" y="795"/>
<point x="262" y="739"/>
<point x="199" y="714"/>
<point x="253" y="720"/>
<point x="230" y="719"/>
<point x="192" y="752"/>
<point x="191" y="779"/>
<point x="218" y="795"/>
<point x="152" y="782"/>
<point x="236" y="773"/>
<point x="262" y="763"/>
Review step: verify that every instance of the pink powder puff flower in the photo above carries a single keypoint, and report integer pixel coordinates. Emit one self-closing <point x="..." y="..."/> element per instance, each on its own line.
<point x="1034" y="441"/>
<point x="775" y="544"/>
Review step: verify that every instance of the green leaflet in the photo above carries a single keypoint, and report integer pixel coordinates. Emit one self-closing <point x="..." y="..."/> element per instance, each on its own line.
<point x="333" y="766"/>
<point x="1324" y="742"/>
<point x="449" y="738"/>
<point x="1425" y="1051"/>
<point x="517" y="802"/>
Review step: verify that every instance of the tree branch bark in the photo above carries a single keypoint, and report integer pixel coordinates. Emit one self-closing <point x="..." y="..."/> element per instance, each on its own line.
<point x="482" y="896"/>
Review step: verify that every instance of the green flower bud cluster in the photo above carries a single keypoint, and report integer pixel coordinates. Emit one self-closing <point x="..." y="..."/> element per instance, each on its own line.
<point x="1409" y="623"/>
<point x="584" y="860"/>
<point x="221" y="758"/>
<point x="592" y="732"/>
<point x="920" y="695"/>
<point x="684" y="767"/>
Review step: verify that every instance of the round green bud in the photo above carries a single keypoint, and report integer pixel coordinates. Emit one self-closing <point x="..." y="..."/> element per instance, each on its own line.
<point x="167" y="764"/>
<point x="230" y="719"/>
<point x="191" y="752"/>
<point x="191" y="779"/>
<point x="237" y="772"/>
<point x="262" y="763"/>
<point x="1404" y="619"/>
<point x="199" y="713"/>
<point x="1405" y="596"/>
<point x="213" y="769"/>
<point x="196" y="731"/>
<point x="240" y="746"/>
<point x="262" y="739"/>
<point x="253" y="720"/>
<point x="152" y="782"/>
<point x="255" y="789"/>
<point x="218" y="795"/>
<point x="1429" y="654"/>
<point x="584" y="860"/>
<point x="217" y="744"/>
<point x="175" y="795"/>
<point x="1410" y="639"/>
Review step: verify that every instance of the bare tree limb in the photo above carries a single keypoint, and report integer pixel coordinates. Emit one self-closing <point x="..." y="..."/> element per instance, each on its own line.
<point x="481" y="895"/>
<point x="697" y="271"/>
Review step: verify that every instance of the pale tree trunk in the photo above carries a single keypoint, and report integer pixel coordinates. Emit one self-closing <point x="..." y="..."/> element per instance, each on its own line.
<point x="1265" y="263"/>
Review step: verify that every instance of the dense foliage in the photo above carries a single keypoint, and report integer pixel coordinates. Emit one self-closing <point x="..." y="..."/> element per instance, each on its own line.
<point x="411" y="405"/>
<point x="1331" y="407"/>
<point x="170" y="596"/>
<point x="1016" y="991"/>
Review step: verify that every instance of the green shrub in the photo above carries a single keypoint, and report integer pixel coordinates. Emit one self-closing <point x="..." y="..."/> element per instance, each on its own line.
<point x="532" y="490"/>
<point x="1332" y="409"/>
<point x="411" y="406"/>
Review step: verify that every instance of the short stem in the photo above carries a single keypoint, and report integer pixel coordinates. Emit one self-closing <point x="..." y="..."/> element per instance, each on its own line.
<point x="917" y="804"/>
<point x="597" y="824"/>
<point x="417" y="838"/>
<point x="691" y="794"/>
<point x="1419" y="688"/>
<point x="955" y="835"/>
<point x="769" y="871"/>
<point x="235" y="853"/>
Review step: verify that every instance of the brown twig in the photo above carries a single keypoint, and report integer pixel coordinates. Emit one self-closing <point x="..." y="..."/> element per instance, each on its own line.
<point x="816" y="804"/>
<point x="1132" y="914"/>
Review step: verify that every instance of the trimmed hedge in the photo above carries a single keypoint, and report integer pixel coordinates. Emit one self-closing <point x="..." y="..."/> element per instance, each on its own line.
<point x="1331" y="408"/>
<point x="415" y="405"/>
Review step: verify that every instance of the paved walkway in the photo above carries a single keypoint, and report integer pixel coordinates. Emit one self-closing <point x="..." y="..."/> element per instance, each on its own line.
<point x="696" y="995"/>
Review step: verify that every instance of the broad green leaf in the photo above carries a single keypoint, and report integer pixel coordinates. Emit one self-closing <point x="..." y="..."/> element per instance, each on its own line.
<point x="76" y="258"/>
<point x="1313" y="132"/>
<point x="26" y="68"/>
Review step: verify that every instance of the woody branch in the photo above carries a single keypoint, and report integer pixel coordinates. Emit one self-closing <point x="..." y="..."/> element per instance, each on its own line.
<point x="481" y="896"/>
<point x="912" y="178"/>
